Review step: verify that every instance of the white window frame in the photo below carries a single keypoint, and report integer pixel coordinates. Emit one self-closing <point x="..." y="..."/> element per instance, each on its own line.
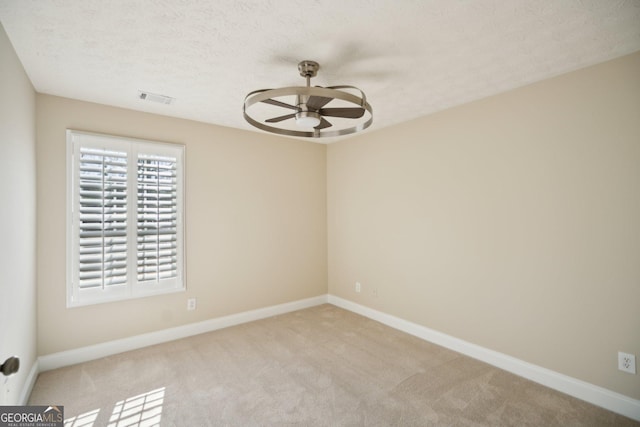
<point x="132" y="288"/>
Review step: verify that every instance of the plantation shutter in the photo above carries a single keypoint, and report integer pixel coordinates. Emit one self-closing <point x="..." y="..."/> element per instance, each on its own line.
<point x="125" y="218"/>
<point x="102" y="218"/>
<point x="157" y="239"/>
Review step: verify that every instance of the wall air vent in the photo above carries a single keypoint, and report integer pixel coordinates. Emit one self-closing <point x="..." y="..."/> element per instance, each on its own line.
<point x="154" y="97"/>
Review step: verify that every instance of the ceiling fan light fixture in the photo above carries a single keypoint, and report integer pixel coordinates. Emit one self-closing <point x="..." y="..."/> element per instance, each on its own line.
<point x="307" y="119"/>
<point x="310" y="111"/>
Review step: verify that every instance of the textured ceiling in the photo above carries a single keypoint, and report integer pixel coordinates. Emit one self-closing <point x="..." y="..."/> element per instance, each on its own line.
<point x="411" y="57"/>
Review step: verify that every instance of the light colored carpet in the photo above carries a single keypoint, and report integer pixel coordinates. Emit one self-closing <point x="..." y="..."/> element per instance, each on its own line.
<point x="322" y="366"/>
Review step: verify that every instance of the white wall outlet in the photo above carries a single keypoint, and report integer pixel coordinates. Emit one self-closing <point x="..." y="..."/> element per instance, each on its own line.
<point x="358" y="287"/>
<point x="627" y="362"/>
<point x="191" y="304"/>
<point x="375" y="291"/>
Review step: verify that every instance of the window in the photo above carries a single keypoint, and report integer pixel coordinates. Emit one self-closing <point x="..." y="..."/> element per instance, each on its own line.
<point x="126" y="220"/>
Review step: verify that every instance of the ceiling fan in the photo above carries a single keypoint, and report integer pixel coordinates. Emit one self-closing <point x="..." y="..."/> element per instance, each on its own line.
<point x="311" y="107"/>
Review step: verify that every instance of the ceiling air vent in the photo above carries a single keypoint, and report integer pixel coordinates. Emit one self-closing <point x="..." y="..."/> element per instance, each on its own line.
<point x="154" y="97"/>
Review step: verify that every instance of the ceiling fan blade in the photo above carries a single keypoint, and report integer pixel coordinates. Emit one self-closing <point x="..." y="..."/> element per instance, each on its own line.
<point x="281" y="118"/>
<point x="347" y="113"/>
<point x="280" y="104"/>
<point x="323" y="124"/>
<point x="317" y="102"/>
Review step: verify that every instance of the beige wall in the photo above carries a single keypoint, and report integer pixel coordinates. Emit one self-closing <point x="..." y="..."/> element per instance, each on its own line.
<point x="255" y="224"/>
<point x="17" y="220"/>
<point x="512" y="222"/>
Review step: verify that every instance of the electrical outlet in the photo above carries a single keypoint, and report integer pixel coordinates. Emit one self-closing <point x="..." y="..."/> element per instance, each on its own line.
<point x="375" y="291"/>
<point x="358" y="287"/>
<point x="627" y="362"/>
<point x="191" y="304"/>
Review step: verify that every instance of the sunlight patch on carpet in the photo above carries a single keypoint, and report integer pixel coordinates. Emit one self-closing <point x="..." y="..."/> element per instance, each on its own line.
<point x="144" y="410"/>
<point x="83" y="420"/>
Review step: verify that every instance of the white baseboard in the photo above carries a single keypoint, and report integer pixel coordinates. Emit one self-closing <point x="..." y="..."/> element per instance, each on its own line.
<point x="29" y="383"/>
<point x="84" y="354"/>
<point x="596" y="395"/>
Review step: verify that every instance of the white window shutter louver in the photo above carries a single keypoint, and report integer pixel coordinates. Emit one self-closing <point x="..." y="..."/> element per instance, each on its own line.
<point x="102" y="215"/>
<point x="156" y="218"/>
